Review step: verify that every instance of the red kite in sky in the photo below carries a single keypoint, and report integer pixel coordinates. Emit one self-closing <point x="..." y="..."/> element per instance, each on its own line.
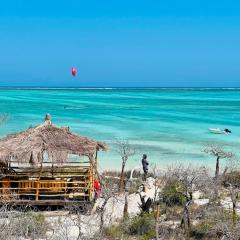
<point x="74" y="71"/>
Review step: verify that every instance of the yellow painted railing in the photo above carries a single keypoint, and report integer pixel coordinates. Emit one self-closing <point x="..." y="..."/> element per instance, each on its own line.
<point x="66" y="183"/>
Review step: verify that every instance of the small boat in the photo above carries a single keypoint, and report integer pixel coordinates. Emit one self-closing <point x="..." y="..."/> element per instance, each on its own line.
<point x="217" y="131"/>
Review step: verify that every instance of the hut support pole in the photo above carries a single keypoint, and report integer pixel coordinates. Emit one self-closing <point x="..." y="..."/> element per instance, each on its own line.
<point x="38" y="183"/>
<point x="93" y="163"/>
<point x="96" y="156"/>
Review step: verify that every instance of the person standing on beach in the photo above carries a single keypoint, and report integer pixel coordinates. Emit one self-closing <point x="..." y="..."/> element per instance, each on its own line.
<point x="145" y="164"/>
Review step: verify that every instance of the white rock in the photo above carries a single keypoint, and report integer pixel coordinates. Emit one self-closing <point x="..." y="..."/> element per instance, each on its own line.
<point x="150" y="182"/>
<point x="201" y="202"/>
<point x="172" y="224"/>
<point x="114" y="209"/>
<point x="133" y="204"/>
<point x="197" y="195"/>
<point x="115" y="205"/>
<point x="227" y="204"/>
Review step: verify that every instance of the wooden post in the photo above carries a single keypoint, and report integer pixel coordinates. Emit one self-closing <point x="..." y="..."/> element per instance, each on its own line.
<point x="91" y="182"/>
<point x="37" y="191"/>
<point x="52" y="169"/>
<point x="157" y="215"/>
<point x="38" y="183"/>
<point x="93" y="163"/>
<point x="96" y="156"/>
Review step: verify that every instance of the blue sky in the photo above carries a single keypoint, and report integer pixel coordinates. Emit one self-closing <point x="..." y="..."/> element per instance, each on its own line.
<point x="120" y="43"/>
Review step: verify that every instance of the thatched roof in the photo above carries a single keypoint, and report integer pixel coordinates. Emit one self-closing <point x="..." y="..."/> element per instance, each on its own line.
<point x="58" y="142"/>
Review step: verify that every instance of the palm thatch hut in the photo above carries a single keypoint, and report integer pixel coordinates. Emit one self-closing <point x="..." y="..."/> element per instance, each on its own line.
<point x="48" y="165"/>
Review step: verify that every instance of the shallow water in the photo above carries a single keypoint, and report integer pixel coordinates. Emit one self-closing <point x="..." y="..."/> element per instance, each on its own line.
<point x="169" y="125"/>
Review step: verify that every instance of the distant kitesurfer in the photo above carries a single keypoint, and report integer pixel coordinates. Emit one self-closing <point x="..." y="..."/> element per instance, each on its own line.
<point x="145" y="164"/>
<point x="74" y="72"/>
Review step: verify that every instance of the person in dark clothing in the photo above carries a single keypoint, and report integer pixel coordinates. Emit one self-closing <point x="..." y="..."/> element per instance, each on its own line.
<point x="227" y="130"/>
<point x="145" y="165"/>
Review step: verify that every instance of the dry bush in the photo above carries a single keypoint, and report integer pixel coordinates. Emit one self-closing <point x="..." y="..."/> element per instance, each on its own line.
<point x="186" y="179"/>
<point x="214" y="223"/>
<point x="15" y="224"/>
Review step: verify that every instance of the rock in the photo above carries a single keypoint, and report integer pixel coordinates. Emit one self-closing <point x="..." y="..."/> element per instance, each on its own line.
<point x="227" y="204"/>
<point x="133" y="204"/>
<point x="197" y="195"/>
<point x="195" y="222"/>
<point x="69" y="226"/>
<point x="114" y="209"/>
<point x="115" y="205"/>
<point x="150" y="182"/>
<point x="201" y="202"/>
<point x="171" y="224"/>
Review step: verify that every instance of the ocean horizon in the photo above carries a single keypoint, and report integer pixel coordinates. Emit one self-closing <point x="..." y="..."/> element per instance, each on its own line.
<point x="168" y="124"/>
<point x="114" y="88"/>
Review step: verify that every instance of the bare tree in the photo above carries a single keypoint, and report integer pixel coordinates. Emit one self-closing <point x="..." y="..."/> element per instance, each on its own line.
<point x="218" y="152"/>
<point x="125" y="150"/>
<point x="187" y="179"/>
<point x="231" y="181"/>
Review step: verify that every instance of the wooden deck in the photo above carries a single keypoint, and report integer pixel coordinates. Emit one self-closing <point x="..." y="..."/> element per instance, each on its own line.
<point x="48" y="185"/>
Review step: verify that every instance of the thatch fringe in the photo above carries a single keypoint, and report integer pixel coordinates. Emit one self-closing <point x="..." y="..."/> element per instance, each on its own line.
<point x="57" y="142"/>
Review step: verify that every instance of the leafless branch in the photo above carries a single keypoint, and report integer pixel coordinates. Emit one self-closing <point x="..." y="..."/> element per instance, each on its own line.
<point x="125" y="150"/>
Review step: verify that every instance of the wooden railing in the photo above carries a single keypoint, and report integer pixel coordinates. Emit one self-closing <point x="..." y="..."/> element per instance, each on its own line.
<point x="61" y="183"/>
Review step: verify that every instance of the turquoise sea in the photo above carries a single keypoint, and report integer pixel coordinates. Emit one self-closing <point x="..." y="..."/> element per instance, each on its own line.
<point x="170" y="125"/>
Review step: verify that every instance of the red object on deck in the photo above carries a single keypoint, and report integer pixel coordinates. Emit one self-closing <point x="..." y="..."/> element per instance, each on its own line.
<point x="97" y="185"/>
<point x="74" y="72"/>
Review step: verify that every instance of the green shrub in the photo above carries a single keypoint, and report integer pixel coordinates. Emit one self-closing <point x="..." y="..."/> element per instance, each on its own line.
<point x="115" y="232"/>
<point x="142" y="225"/>
<point x="200" y="230"/>
<point x="38" y="218"/>
<point x="171" y="196"/>
<point x="149" y="235"/>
